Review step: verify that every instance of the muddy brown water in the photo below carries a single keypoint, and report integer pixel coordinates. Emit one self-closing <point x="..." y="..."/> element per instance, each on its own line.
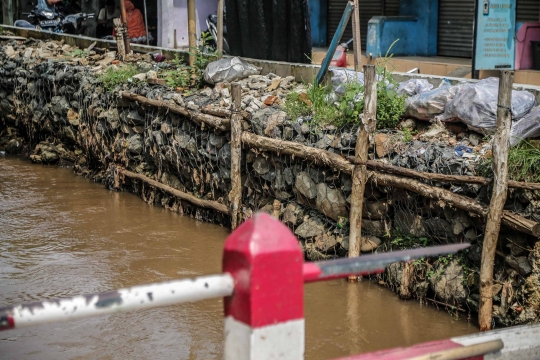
<point x="62" y="235"/>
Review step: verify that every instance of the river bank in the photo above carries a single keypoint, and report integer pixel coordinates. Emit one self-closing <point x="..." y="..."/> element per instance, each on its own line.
<point x="56" y="109"/>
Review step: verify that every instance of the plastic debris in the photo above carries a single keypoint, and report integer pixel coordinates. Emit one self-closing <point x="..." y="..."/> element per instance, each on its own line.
<point x="414" y="87"/>
<point x="229" y="70"/>
<point x="341" y="77"/>
<point x="427" y="105"/>
<point x="462" y="149"/>
<point x="476" y="105"/>
<point x="527" y="127"/>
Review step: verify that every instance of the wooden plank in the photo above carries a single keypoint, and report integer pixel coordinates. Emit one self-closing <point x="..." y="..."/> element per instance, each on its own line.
<point x="11" y="37"/>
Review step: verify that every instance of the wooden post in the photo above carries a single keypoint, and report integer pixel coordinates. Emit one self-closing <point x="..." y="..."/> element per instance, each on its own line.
<point x="498" y="197"/>
<point x="123" y="18"/>
<point x="276" y="209"/>
<point x="192" y="30"/>
<point x="146" y="23"/>
<point x="235" y="196"/>
<point x="7" y="12"/>
<point x="219" y="39"/>
<point x="357" y="40"/>
<point x="359" y="174"/>
<point x="119" y="31"/>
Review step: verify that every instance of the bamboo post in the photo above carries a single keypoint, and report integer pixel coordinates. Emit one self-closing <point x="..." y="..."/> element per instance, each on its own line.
<point x="235" y="196"/>
<point x="219" y="39"/>
<point x="357" y="40"/>
<point x="498" y="197"/>
<point x="359" y="174"/>
<point x="146" y="23"/>
<point x="192" y="30"/>
<point x="123" y="18"/>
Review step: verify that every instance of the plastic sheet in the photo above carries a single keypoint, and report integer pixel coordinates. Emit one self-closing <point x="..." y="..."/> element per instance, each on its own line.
<point x="414" y="87"/>
<point x="229" y="70"/>
<point x="341" y="77"/>
<point x="475" y="105"/>
<point x="427" y="105"/>
<point x="273" y="30"/>
<point x="527" y="127"/>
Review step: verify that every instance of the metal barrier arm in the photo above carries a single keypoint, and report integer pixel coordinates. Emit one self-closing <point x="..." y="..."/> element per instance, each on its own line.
<point x="371" y="264"/>
<point x="134" y="298"/>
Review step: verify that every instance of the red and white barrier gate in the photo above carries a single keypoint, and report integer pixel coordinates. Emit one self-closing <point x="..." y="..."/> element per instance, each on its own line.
<point x="263" y="286"/>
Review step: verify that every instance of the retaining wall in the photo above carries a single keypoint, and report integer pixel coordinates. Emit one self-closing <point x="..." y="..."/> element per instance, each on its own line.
<point x="59" y="113"/>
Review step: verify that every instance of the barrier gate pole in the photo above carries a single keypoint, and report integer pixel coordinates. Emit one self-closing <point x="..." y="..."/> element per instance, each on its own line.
<point x="264" y="318"/>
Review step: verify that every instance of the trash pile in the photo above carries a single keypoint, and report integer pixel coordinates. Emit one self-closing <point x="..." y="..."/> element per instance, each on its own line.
<point x="474" y="104"/>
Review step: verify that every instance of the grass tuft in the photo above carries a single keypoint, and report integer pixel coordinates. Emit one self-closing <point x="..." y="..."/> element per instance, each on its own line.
<point x="116" y="76"/>
<point x="523" y="163"/>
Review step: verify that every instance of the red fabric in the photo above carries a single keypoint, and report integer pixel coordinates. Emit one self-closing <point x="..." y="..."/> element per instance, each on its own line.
<point x="135" y="21"/>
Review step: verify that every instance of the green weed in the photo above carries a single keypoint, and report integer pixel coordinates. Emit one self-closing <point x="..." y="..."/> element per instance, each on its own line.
<point x="185" y="76"/>
<point x="402" y="241"/>
<point x="116" y="76"/>
<point x="180" y="76"/>
<point x="348" y="108"/>
<point x="78" y="53"/>
<point x="523" y="163"/>
<point x="407" y="134"/>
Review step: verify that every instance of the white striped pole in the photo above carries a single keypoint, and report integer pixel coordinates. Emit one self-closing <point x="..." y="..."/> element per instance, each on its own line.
<point x="134" y="298"/>
<point x="264" y="319"/>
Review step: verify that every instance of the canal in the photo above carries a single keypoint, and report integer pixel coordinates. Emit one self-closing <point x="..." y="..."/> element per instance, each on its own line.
<point x="62" y="235"/>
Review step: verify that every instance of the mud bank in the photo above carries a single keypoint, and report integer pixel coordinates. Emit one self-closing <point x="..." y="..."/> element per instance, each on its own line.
<point x="55" y="109"/>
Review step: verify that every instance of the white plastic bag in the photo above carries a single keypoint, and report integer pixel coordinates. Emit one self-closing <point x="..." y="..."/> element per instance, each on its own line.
<point x="427" y="105"/>
<point x="475" y="104"/>
<point x="414" y="87"/>
<point x="527" y="127"/>
<point x="229" y="70"/>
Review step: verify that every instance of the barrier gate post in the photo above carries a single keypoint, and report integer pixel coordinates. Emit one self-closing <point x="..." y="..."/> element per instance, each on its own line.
<point x="264" y="318"/>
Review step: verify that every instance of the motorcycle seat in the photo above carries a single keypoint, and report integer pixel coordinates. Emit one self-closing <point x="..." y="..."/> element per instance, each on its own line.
<point x="23" y="24"/>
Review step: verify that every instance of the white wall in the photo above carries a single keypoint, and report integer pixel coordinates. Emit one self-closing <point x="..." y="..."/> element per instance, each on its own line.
<point x="172" y="14"/>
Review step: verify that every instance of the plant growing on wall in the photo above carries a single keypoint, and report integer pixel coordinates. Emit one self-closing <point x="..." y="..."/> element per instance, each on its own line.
<point x="183" y="75"/>
<point x="318" y="102"/>
<point x="116" y="76"/>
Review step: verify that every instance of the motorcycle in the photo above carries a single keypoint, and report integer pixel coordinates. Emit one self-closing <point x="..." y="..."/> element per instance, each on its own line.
<point x="47" y="20"/>
<point x="211" y="23"/>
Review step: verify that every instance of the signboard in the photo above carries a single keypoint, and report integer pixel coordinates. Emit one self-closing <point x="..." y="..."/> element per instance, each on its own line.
<point x="495" y="34"/>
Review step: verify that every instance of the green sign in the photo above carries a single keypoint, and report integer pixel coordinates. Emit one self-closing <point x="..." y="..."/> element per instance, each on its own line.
<point x="495" y="33"/>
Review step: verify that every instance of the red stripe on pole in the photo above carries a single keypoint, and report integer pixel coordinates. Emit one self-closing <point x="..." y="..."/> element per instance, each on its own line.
<point x="411" y="352"/>
<point x="7" y="322"/>
<point x="311" y="272"/>
<point x="266" y="262"/>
